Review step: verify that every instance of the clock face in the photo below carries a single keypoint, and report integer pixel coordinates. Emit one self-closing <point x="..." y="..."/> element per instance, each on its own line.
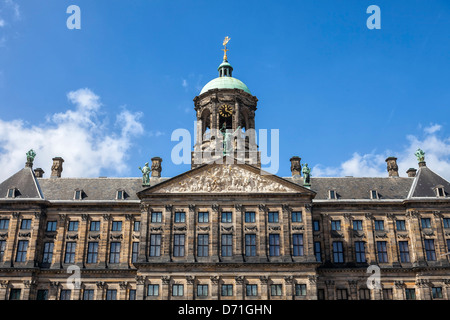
<point x="225" y="110"/>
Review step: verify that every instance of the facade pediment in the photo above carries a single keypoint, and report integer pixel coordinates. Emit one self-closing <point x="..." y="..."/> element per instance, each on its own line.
<point x="227" y="178"/>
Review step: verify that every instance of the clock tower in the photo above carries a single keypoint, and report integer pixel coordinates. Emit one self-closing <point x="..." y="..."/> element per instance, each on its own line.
<point x="225" y="111"/>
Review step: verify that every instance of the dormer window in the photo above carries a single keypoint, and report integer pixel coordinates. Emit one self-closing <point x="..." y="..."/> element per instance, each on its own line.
<point x="11" y="193"/>
<point x="332" y="195"/>
<point x="374" y="194"/>
<point x="120" y="195"/>
<point x="78" y="195"/>
<point x="440" y="192"/>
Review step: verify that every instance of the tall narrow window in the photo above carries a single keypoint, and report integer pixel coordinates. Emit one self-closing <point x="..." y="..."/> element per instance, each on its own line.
<point x="297" y="241"/>
<point x="114" y="253"/>
<point x="316" y="225"/>
<point x="70" y="252"/>
<point x="88" y="294"/>
<point x="300" y="289"/>
<point x="135" y="252"/>
<point x="341" y="294"/>
<point x="48" y="252"/>
<point x="155" y="245"/>
<point x="364" y="294"/>
<point x="92" y="253"/>
<point x="65" y="294"/>
<point x="4" y="224"/>
<point x="251" y="290"/>
<point x="51" y="226"/>
<point x="317" y="251"/>
<point x="2" y="249"/>
<point x="436" y="292"/>
<point x="78" y="195"/>
<point x="156" y="217"/>
<point x="120" y="195"/>
<point x="203" y="217"/>
<point x="379" y="225"/>
<point x="357" y="225"/>
<point x="111" y="294"/>
<point x="180" y="217"/>
<point x="429" y="250"/>
<point x="382" y="251"/>
<point x="374" y="194"/>
<point x="226" y="217"/>
<point x="401" y="226"/>
<point x="95" y="226"/>
<point x="297" y="216"/>
<point x="275" y="289"/>
<point x="153" y="290"/>
<point x="227" y="290"/>
<point x="336" y="225"/>
<point x="227" y="245"/>
<point x="177" y="290"/>
<point x="22" y="247"/>
<point x="410" y="294"/>
<point x="332" y="194"/>
<point x="250" y="216"/>
<point x="360" y="252"/>
<point x="116" y="226"/>
<point x="73" y="226"/>
<point x="202" y="245"/>
<point x="426" y="222"/>
<point x="25" y="224"/>
<point x="338" y="252"/>
<point x="404" y="251"/>
<point x="137" y="226"/>
<point x="11" y="193"/>
<point x="273" y="216"/>
<point x="440" y="192"/>
<point x="178" y="245"/>
<point x="274" y="245"/>
<point x="250" y="245"/>
<point x="202" y="290"/>
<point x="446" y="223"/>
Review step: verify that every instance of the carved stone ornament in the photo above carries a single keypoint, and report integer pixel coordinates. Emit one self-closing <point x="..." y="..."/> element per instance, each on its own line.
<point x="399" y="284"/>
<point x="225" y="178"/>
<point x="369" y="216"/>
<point x="238" y="207"/>
<point x="286" y="208"/>
<point x="264" y="279"/>
<point x="336" y="234"/>
<point x="190" y="279"/>
<point x="72" y="237"/>
<point x="179" y="228"/>
<point x="3" y="236"/>
<point x="428" y="234"/>
<point x="403" y="236"/>
<point x="262" y="207"/>
<point x="203" y="228"/>
<point x="192" y="208"/>
<point x="165" y="280"/>
<point x="357" y="234"/>
<point x="214" y="279"/>
<point x="215" y="207"/>
<point x="140" y="280"/>
<point x="156" y="228"/>
<point x="289" y="279"/>
<point x="381" y="236"/>
<point x="227" y="229"/>
<point x="100" y="284"/>
<point x="25" y="234"/>
<point x="251" y="228"/>
<point x="116" y="237"/>
<point x="274" y="228"/>
<point x="94" y="237"/>
<point x="123" y="285"/>
<point x="298" y="228"/>
<point x="312" y="279"/>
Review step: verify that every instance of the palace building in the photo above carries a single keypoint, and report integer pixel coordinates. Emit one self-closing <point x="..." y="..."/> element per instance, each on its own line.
<point x="224" y="229"/>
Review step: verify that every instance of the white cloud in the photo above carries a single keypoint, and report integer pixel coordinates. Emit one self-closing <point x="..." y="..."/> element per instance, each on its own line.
<point x="184" y="83"/>
<point x="2" y="23"/>
<point x="437" y="157"/>
<point x="78" y="135"/>
<point x="14" y="7"/>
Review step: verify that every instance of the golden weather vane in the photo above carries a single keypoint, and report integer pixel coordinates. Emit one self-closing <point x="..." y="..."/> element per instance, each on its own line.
<point x="225" y="41"/>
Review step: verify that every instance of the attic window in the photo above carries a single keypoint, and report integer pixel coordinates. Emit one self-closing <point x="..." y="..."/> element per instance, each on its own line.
<point x="332" y="194"/>
<point x="78" y="195"/>
<point x="11" y="193"/>
<point x="120" y="195"/>
<point x="440" y="191"/>
<point x="374" y="194"/>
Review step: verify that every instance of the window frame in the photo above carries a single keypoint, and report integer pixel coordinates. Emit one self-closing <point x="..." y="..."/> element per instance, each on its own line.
<point x="154" y="287"/>
<point x="155" y="245"/>
<point x="250" y="217"/>
<point x="274" y="245"/>
<point x="273" y="217"/>
<point x="179" y="249"/>
<point x="226" y="244"/>
<point x="92" y="252"/>
<point x="202" y="247"/>
<point x="338" y="252"/>
<point x="297" y="245"/>
<point x="297" y="216"/>
<point x="382" y="252"/>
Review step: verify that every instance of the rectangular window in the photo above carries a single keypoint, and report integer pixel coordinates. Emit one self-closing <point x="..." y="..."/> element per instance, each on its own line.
<point x="95" y="226"/>
<point x="436" y="292"/>
<point x="135" y="252"/>
<point x="440" y="192"/>
<point x="4" y="224"/>
<point x="137" y="226"/>
<point x="51" y="226"/>
<point x="226" y="216"/>
<point x="404" y="251"/>
<point x="11" y="193"/>
<point x="116" y="226"/>
<point x="88" y="294"/>
<point x="111" y="294"/>
<point x="227" y="290"/>
<point x="429" y="250"/>
<point x="300" y="289"/>
<point x="227" y="245"/>
<point x="155" y="245"/>
<point x="382" y="251"/>
<point x="25" y="224"/>
<point x="70" y="252"/>
<point x="114" y="252"/>
<point x="156" y="217"/>
<point x="177" y="290"/>
<point x="202" y="245"/>
<point x="320" y="294"/>
<point x="180" y="217"/>
<point x="202" y="290"/>
<point x="401" y="226"/>
<point x="341" y="294"/>
<point x="14" y="294"/>
<point x="132" y="294"/>
<point x="251" y="290"/>
<point x="2" y="249"/>
<point x="297" y="216"/>
<point x="357" y="225"/>
<point x="42" y="294"/>
<point x="153" y="290"/>
<point x="338" y="252"/>
<point x="92" y="253"/>
<point x="77" y="195"/>
<point x="446" y="223"/>
<point x="426" y="222"/>
<point x="203" y="217"/>
<point x="250" y="245"/>
<point x="297" y="242"/>
<point x="410" y="294"/>
<point x="273" y="216"/>
<point x="120" y="195"/>
<point x="316" y="225"/>
<point x="379" y="225"/>
<point x="387" y="294"/>
<point x="22" y="251"/>
<point x="65" y="295"/>
<point x="360" y="252"/>
<point x="48" y="252"/>
<point x="73" y="226"/>
<point x="364" y="294"/>
<point x="448" y="245"/>
<point x="178" y="245"/>
<point x="332" y="194"/>
<point x="275" y="289"/>
<point x="336" y="225"/>
<point x="250" y="216"/>
<point x="317" y="251"/>
<point x="374" y="194"/>
<point x="274" y="245"/>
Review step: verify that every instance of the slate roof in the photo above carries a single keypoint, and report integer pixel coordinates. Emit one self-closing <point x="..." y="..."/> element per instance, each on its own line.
<point x="426" y="182"/>
<point x="25" y="183"/>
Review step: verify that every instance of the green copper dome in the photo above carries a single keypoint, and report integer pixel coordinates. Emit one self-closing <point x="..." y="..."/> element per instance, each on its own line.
<point x="225" y="80"/>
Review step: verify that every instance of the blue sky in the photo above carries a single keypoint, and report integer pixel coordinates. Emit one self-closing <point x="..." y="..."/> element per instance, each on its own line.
<point x="107" y="97"/>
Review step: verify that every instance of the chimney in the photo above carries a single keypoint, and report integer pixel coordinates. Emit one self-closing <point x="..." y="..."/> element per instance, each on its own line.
<point x="38" y="172"/>
<point x="411" y="172"/>
<point x="57" y="167"/>
<point x="156" y="167"/>
<point x="392" y="166"/>
<point x="296" y="168"/>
